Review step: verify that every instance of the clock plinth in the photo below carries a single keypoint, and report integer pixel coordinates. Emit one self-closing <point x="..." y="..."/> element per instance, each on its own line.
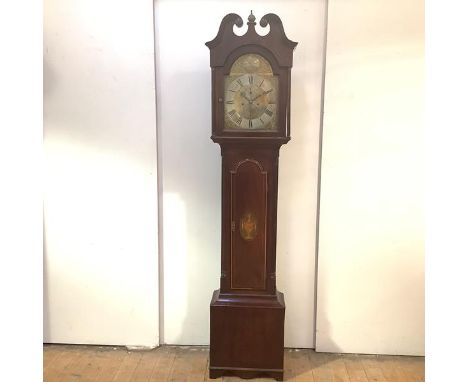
<point x="250" y="100"/>
<point x="247" y="335"/>
<point x="247" y="312"/>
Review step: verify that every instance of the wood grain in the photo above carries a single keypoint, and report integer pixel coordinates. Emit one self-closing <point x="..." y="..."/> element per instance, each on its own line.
<point x="127" y="367"/>
<point x="247" y="338"/>
<point x="319" y="364"/>
<point x="111" y="358"/>
<point x="372" y="368"/>
<point x="166" y="361"/>
<point x="354" y="368"/>
<point x="69" y="363"/>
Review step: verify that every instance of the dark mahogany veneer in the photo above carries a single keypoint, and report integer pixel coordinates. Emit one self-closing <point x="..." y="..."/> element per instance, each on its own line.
<point x="247" y="312"/>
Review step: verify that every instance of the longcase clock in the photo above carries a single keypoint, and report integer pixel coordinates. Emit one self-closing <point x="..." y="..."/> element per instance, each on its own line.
<point x="251" y="88"/>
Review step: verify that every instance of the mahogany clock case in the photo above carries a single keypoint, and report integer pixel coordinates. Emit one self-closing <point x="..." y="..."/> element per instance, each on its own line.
<point x="227" y="47"/>
<point x="247" y="312"/>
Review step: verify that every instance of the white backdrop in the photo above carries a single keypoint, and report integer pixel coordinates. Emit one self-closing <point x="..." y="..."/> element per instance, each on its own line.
<point x="371" y="243"/>
<point x="100" y="197"/>
<point x="191" y="165"/>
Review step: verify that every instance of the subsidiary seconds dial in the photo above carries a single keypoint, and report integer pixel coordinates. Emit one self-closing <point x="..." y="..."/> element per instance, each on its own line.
<point x="250" y="102"/>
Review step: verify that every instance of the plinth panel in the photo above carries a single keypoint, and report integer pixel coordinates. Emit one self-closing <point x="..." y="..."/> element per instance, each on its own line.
<point x="246" y="336"/>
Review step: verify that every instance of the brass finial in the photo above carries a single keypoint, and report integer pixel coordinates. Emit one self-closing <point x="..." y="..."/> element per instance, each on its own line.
<point x="251" y="18"/>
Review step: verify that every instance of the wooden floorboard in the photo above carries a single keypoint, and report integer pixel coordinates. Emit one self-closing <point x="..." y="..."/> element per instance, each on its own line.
<point x="70" y="363"/>
<point x="372" y="368"/>
<point x="356" y="372"/>
<point x="111" y="358"/>
<point x="166" y="360"/>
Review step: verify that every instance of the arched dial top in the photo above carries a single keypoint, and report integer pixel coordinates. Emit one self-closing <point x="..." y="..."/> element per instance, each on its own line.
<point x="250" y="95"/>
<point x="251" y="81"/>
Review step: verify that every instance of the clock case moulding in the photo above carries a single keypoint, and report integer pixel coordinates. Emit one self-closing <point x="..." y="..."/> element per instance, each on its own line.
<point x="247" y="312"/>
<point x="227" y="47"/>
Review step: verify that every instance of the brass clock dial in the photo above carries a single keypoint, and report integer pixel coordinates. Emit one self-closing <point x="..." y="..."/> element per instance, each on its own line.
<point x="251" y="95"/>
<point x="251" y="86"/>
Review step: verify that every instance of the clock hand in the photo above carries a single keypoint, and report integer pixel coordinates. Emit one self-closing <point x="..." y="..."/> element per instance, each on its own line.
<point x="250" y="104"/>
<point x="258" y="96"/>
<point x="265" y="92"/>
<point x="243" y="96"/>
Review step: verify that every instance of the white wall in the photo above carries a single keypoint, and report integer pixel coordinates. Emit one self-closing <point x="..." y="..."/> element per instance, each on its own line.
<point x="100" y="200"/>
<point x="191" y="165"/>
<point x="371" y="250"/>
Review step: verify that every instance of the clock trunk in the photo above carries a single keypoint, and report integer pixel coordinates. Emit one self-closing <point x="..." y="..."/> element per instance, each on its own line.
<point x="250" y="95"/>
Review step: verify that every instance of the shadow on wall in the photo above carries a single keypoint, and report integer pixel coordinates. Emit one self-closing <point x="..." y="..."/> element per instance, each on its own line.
<point x="45" y="297"/>
<point x="191" y="198"/>
<point x="191" y="206"/>
<point x="297" y="208"/>
<point x="48" y="79"/>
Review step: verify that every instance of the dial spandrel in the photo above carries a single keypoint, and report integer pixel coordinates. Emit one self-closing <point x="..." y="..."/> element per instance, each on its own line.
<point x="251" y="95"/>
